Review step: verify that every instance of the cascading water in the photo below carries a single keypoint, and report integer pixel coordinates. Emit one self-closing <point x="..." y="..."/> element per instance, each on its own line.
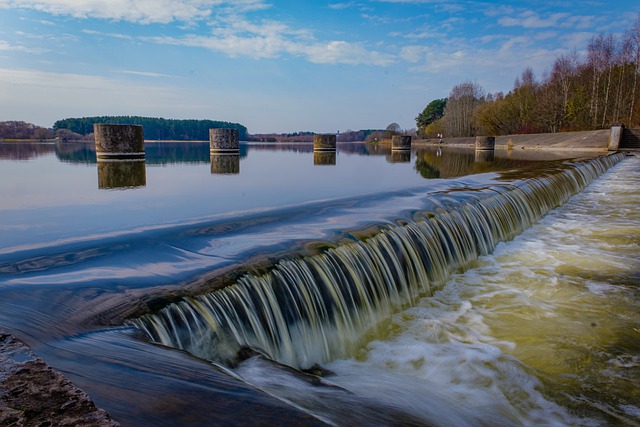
<point x="315" y="309"/>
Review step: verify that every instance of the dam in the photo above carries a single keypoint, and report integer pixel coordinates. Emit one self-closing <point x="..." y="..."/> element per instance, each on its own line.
<point x="448" y="290"/>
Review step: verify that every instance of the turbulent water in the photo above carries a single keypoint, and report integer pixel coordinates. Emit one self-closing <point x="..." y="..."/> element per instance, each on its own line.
<point x="312" y="310"/>
<point x="545" y="331"/>
<point x="541" y="330"/>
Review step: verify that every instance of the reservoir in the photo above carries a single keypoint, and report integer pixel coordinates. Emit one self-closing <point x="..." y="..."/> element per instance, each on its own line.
<point x="437" y="287"/>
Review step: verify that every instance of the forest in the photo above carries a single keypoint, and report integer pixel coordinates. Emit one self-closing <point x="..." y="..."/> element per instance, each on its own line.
<point x="304" y="136"/>
<point x="153" y="128"/>
<point x="587" y="91"/>
<point x="23" y="130"/>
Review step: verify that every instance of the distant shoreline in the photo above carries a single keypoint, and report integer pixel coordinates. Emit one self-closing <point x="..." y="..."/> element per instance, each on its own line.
<point x="583" y="140"/>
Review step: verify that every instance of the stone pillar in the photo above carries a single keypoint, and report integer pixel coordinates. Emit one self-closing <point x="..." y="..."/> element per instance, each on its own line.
<point x="114" y="142"/>
<point x="485" y="142"/>
<point x="615" y="137"/>
<point x="324" y="142"/>
<point x="224" y="140"/>
<point x="400" y="142"/>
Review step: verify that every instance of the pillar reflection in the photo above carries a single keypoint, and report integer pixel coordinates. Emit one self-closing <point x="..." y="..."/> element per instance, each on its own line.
<point x="225" y="164"/>
<point x="398" y="156"/>
<point x="324" y="158"/>
<point x="121" y="174"/>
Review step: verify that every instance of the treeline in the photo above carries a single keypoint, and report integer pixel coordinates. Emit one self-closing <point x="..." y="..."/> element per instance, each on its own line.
<point x="153" y="128"/>
<point x="24" y="130"/>
<point x="304" y="136"/>
<point x="578" y="93"/>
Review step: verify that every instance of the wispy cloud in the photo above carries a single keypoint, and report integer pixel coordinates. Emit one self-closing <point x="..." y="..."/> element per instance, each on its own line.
<point x="339" y="6"/>
<point x="114" y="35"/>
<point x="8" y="47"/>
<point x="144" y="73"/>
<point x="236" y="36"/>
<point x="532" y="20"/>
<point x="65" y="91"/>
<point x="139" y="11"/>
<point x="275" y="45"/>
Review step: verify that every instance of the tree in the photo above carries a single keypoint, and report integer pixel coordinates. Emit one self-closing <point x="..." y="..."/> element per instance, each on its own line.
<point x="154" y="128"/>
<point x="578" y="93"/>
<point x="23" y="130"/>
<point x="633" y="36"/>
<point x="392" y="129"/>
<point x="434" y="129"/>
<point x="460" y="109"/>
<point x="66" y="135"/>
<point x="432" y="112"/>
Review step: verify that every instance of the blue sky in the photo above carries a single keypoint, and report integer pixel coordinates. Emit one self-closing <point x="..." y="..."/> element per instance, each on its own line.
<point x="278" y="66"/>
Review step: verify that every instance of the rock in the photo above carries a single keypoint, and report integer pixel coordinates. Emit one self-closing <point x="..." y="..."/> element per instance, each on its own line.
<point x="33" y="394"/>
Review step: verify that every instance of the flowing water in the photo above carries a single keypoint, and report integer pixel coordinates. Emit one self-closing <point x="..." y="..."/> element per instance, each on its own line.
<point x="457" y="290"/>
<point x="543" y="330"/>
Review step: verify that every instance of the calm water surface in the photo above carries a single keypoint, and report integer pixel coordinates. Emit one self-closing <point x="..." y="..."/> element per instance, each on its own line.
<point x="542" y="332"/>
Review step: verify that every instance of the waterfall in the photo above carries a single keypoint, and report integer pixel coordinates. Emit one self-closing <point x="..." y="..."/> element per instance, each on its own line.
<point x="314" y="309"/>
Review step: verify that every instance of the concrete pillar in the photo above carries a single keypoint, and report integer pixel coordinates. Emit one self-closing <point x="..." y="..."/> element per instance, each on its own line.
<point x="400" y="142"/>
<point x="224" y="140"/>
<point x="615" y="137"/>
<point x="324" y="142"/>
<point x="225" y="164"/>
<point x="485" y="142"/>
<point x="121" y="174"/>
<point x="118" y="141"/>
<point x="324" y="158"/>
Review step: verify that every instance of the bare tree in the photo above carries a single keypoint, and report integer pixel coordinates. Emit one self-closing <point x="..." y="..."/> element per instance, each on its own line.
<point x="463" y="100"/>
<point x="634" y="40"/>
<point x="562" y="74"/>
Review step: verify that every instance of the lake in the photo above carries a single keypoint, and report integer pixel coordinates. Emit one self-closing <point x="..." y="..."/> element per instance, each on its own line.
<point x="438" y="287"/>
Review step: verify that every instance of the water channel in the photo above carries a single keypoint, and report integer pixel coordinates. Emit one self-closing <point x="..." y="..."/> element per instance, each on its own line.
<point x="440" y="287"/>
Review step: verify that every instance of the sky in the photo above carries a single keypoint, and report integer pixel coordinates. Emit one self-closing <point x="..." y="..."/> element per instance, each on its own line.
<point x="278" y="66"/>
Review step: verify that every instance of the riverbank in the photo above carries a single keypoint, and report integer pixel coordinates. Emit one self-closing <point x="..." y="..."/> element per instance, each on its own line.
<point x="33" y="394"/>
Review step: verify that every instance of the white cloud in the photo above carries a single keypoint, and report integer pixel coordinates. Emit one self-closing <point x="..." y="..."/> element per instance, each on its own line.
<point x="532" y="20"/>
<point x="341" y="52"/>
<point x="8" y="47"/>
<point x="114" y="35"/>
<point x="269" y="39"/>
<point x="414" y="54"/>
<point x="139" y="11"/>
<point x="144" y="73"/>
<point x="339" y="6"/>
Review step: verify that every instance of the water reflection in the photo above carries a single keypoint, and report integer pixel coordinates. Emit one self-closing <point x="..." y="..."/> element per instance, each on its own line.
<point x="324" y="158"/>
<point x="74" y="259"/>
<point x="451" y="162"/>
<point x="24" y="150"/>
<point x="225" y="164"/>
<point x="156" y="153"/>
<point x="398" y="156"/>
<point x="121" y="175"/>
<point x="485" y="156"/>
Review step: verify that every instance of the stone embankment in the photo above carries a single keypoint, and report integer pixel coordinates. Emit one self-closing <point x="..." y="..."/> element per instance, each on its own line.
<point x="33" y="394"/>
<point x="596" y="140"/>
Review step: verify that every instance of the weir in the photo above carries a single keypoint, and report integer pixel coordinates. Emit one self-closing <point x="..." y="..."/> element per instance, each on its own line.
<point x="315" y="309"/>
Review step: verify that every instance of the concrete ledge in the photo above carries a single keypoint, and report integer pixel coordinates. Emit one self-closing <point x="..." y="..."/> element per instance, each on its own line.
<point x="33" y="394"/>
<point x="596" y="140"/>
